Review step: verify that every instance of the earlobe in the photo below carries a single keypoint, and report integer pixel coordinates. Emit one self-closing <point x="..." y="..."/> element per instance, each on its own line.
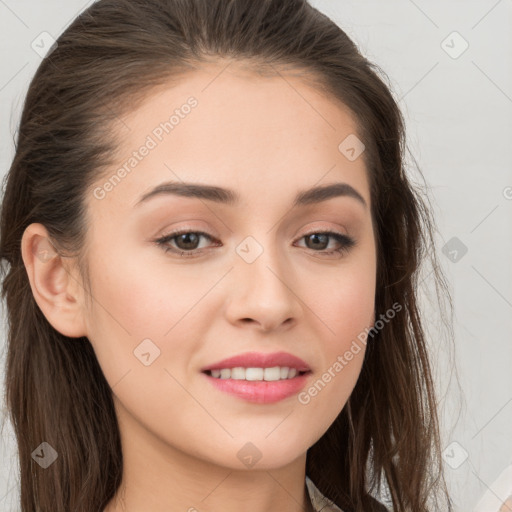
<point x="56" y="290"/>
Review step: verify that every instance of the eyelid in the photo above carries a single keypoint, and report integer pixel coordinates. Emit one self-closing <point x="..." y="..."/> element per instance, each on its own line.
<point x="324" y="229"/>
<point x="191" y="229"/>
<point x="346" y="241"/>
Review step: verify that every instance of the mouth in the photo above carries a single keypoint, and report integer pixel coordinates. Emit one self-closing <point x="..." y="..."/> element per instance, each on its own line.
<point x="258" y="385"/>
<point x="259" y="377"/>
<point x="254" y="374"/>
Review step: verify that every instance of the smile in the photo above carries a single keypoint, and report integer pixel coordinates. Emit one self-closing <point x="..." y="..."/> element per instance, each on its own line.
<point x="258" y="390"/>
<point x="255" y="374"/>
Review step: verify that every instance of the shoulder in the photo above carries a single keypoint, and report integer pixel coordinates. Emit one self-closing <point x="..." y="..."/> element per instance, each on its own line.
<point x="318" y="500"/>
<point x="324" y="504"/>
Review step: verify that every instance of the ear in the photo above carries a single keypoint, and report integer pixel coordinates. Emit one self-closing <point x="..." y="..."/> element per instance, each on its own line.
<point x="56" y="289"/>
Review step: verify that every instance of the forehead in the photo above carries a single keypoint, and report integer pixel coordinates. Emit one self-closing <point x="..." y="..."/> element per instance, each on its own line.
<point x="225" y="125"/>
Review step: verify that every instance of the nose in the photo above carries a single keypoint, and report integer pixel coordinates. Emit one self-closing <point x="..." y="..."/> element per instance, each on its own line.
<point x="263" y="294"/>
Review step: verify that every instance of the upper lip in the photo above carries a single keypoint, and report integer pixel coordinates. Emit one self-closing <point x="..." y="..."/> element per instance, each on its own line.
<point x="260" y="360"/>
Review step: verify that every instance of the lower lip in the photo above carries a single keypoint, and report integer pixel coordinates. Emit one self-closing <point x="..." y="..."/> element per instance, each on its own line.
<point x="260" y="391"/>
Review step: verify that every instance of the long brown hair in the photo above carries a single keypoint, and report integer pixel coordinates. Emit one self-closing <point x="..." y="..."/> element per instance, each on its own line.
<point x="104" y="63"/>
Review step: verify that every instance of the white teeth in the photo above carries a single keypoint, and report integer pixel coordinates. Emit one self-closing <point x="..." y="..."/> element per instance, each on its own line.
<point x="272" y="373"/>
<point x="225" y="373"/>
<point x="238" y="373"/>
<point x="268" y="374"/>
<point x="253" y="373"/>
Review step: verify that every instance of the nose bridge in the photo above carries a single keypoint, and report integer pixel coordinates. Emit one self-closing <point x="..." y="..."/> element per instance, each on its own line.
<point x="262" y="291"/>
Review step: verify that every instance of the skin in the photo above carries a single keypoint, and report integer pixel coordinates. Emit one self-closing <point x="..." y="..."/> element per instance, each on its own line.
<point x="507" y="505"/>
<point x="266" y="138"/>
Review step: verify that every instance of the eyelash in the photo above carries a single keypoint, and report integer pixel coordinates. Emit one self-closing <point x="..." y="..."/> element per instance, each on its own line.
<point x="345" y="241"/>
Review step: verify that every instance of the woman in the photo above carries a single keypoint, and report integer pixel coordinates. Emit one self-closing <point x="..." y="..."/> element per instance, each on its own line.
<point x="213" y="253"/>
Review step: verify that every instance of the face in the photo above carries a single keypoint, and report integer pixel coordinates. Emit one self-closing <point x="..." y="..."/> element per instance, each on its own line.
<point x="262" y="273"/>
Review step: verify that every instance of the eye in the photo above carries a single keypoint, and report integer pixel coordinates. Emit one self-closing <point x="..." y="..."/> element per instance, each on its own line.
<point x="319" y="239"/>
<point x="187" y="242"/>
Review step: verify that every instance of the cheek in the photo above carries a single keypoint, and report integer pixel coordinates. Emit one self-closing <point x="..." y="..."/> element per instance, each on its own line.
<point x="345" y="306"/>
<point x="349" y="314"/>
<point x="346" y="303"/>
<point x="345" y="297"/>
<point x="142" y="301"/>
<point x="136" y="303"/>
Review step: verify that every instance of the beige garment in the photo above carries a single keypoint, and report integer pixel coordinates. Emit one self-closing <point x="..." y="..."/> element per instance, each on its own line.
<point x="319" y="501"/>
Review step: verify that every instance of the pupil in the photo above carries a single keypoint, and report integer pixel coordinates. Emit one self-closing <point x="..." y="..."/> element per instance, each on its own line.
<point x="185" y="237"/>
<point x="316" y="237"/>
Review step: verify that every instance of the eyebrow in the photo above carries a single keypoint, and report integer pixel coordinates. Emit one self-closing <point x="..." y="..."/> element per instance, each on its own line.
<point x="231" y="198"/>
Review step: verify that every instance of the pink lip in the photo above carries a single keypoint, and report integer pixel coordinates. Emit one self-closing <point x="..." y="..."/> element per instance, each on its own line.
<point x="260" y="360"/>
<point x="260" y="391"/>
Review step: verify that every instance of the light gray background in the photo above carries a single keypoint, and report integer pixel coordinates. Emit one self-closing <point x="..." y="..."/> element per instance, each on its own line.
<point x="458" y="110"/>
